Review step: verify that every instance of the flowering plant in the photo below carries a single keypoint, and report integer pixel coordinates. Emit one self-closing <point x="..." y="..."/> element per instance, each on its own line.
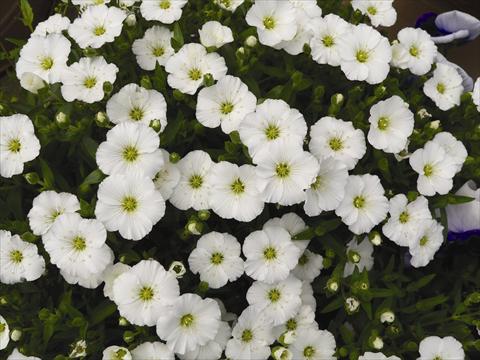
<point x="237" y="179"/>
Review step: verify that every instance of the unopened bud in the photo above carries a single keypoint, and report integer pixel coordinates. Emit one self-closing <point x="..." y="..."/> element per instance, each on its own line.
<point x="131" y="20"/>
<point x="101" y="118"/>
<point x="156" y="125"/>
<point x="61" y="118"/>
<point x="123" y="322"/>
<point x="194" y="227"/>
<point x="387" y="317"/>
<point x="375" y="238"/>
<point x="377" y="343"/>
<point x="352" y="304"/>
<point x="435" y="124"/>
<point x="203" y="215"/>
<point x="178" y="269"/>
<point x="174" y="157"/>
<point x="332" y="285"/>
<point x="15" y="335"/>
<point x="354" y="257"/>
<point x="251" y="41"/>
<point x="281" y="353"/>
<point x="32" y="178"/>
<point x="208" y="80"/>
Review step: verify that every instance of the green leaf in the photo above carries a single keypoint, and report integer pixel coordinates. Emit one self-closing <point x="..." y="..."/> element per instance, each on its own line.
<point x="94" y="177"/>
<point x="326" y="226"/>
<point x="27" y="14"/>
<point x="47" y="173"/>
<point x="177" y="39"/>
<point x="305" y="235"/>
<point x="334" y="305"/>
<point x="414" y="286"/>
<point x="101" y="312"/>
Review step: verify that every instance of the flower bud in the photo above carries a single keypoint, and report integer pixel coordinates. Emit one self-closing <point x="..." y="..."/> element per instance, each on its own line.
<point x="79" y="349"/>
<point x="128" y="337"/>
<point x="15" y="335"/>
<point x="387" y="317"/>
<point x="32" y="178"/>
<point x="61" y="118"/>
<point x="101" y="119"/>
<point x="377" y="343"/>
<point x="194" y="227"/>
<point x="327" y="262"/>
<point x="107" y="87"/>
<point x="332" y="285"/>
<point x="287" y="337"/>
<point x="354" y="257"/>
<point x="281" y="353"/>
<point x="203" y="215"/>
<point x="251" y="41"/>
<point x="156" y="125"/>
<point x="435" y="124"/>
<point x="208" y="80"/>
<point x="423" y="113"/>
<point x="178" y="269"/>
<point x="375" y="238"/>
<point x="122" y="321"/>
<point x="131" y="20"/>
<point x="352" y="304"/>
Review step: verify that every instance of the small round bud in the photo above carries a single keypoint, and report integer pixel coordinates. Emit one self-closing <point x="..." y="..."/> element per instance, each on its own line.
<point x="327" y="262"/>
<point x="131" y="20"/>
<point x="251" y="41"/>
<point x="387" y="317"/>
<point x="122" y="321"/>
<point x="375" y="238"/>
<point x="101" y="118"/>
<point x="352" y="304"/>
<point x="287" y="337"/>
<point x="435" y="124"/>
<point x="343" y="351"/>
<point x="332" y="285"/>
<point x="337" y="99"/>
<point x="208" y="80"/>
<point x="203" y="215"/>
<point x="3" y="300"/>
<point x="128" y="337"/>
<point x="107" y="87"/>
<point x="174" y="157"/>
<point x="377" y="343"/>
<point x="61" y="118"/>
<point x="90" y="52"/>
<point x="156" y="125"/>
<point x="32" y="178"/>
<point x="354" y="257"/>
<point x="281" y="353"/>
<point x="178" y="269"/>
<point x="15" y="334"/>
<point x="194" y="227"/>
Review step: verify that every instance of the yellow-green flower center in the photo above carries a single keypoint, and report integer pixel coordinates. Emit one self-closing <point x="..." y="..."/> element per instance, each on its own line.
<point x="362" y="56"/>
<point x="268" y="22"/>
<point x="372" y="10"/>
<point x="359" y="202"/>
<point x="414" y="51"/>
<point x="195" y="74"/>
<point x="383" y="123"/>
<point x="158" y="51"/>
<point x="14" y="145"/>
<point x="272" y="132"/>
<point x="130" y="153"/>
<point x="46" y="63"/>
<point x="99" y="30"/>
<point x="195" y="181"/>
<point x="187" y="320"/>
<point x="318" y="182"/>
<point x="120" y="354"/>
<point x="78" y="243"/>
<point x="55" y="214"/>
<point x="2" y="327"/>
<point x="328" y="41"/>
<point x="216" y="258"/>
<point x="226" y="108"/>
<point x="146" y="293"/>
<point x="247" y="335"/>
<point x="428" y="170"/>
<point x="136" y="113"/>
<point x="16" y="256"/>
<point x="164" y="4"/>
<point x="282" y="170"/>
<point x="90" y="82"/>
<point x="291" y="324"/>
<point x="237" y="187"/>
<point x="354" y="256"/>
<point x="129" y="204"/>
<point x="274" y="295"/>
<point x="336" y="144"/>
<point x="441" y="88"/>
<point x="423" y="241"/>
<point x="404" y="216"/>
<point x="308" y="351"/>
<point x="270" y="253"/>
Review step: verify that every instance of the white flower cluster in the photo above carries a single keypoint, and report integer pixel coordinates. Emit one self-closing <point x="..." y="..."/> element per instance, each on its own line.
<point x="141" y="176"/>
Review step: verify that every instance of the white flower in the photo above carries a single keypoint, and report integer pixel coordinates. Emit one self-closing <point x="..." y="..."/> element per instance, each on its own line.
<point x="279" y="301"/>
<point x="435" y="169"/>
<point x="337" y="139"/>
<point x="31" y="82"/>
<point x="307" y="7"/>
<point x="109" y="275"/>
<point x="234" y="192"/>
<point x="275" y="21"/>
<point x="193" y="189"/>
<point x="285" y="172"/>
<point x="4" y="333"/>
<point x="304" y="319"/>
<point x="427" y="242"/>
<point x="294" y="224"/>
<point x="414" y="50"/>
<point x="364" y="204"/>
<point x="84" y="79"/>
<point x="313" y="344"/>
<point x="214" y="34"/>
<point x="445" y="87"/>
<point x="190" y="64"/>
<point x="168" y="177"/>
<point x="309" y="266"/>
<point x="85" y="3"/>
<point x="377" y="356"/>
<point x="230" y="5"/>
<point x="434" y="347"/>
<point x="327" y="191"/>
<point x="273" y="122"/>
<point x="365" y="54"/>
<point x="270" y="254"/>
<point x="464" y="217"/>
<point x="142" y="291"/>
<point x="137" y="104"/>
<point x="359" y="256"/>
<point x="405" y="218"/>
<point x="89" y="282"/>
<point x="47" y="206"/>
<point x="155" y="47"/>
<point x="130" y="148"/>
<point x="188" y="322"/>
<point x="217" y="259"/>
<point x="391" y="123"/>
<point x="45" y="57"/>
<point x="213" y="349"/>
<point x="225" y="104"/>
<point x="476" y="94"/>
<point x="251" y="336"/>
<point x="77" y="246"/>
<point x="130" y="204"/>
<point x="152" y="351"/>
<point x="454" y="149"/>
<point x="19" y="260"/>
<point x="165" y="11"/>
<point x="116" y="352"/>
<point x="18" y="144"/>
<point x="97" y="25"/>
<point x="16" y="355"/>
<point x="380" y="12"/>
<point x="55" y="24"/>
<point x="327" y="32"/>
